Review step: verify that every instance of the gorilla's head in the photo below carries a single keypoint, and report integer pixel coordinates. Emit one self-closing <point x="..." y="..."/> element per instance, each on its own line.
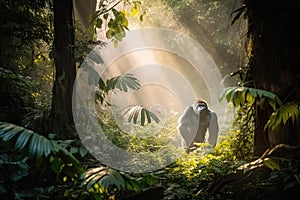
<point x="200" y="106"/>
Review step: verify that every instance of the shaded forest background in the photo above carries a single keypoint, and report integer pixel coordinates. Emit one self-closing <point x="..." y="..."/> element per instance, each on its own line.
<point x="256" y="48"/>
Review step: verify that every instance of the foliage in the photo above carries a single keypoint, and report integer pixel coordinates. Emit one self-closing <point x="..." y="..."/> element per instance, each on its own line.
<point x="251" y="98"/>
<point x="121" y="82"/>
<point x="26" y="36"/>
<point x="16" y="99"/>
<point x="28" y="169"/>
<point x="239" y="96"/>
<point x="124" y="83"/>
<point x="30" y="148"/>
<point x="33" y="144"/>
<point x="113" y="21"/>
<point x="184" y="178"/>
<point x="247" y="100"/>
<point x="102" y="183"/>
<point x="134" y="111"/>
<point x="287" y="112"/>
<point x="272" y="176"/>
<point x="189" y="177"/>
<point x="23" y="24"/>
<point x="83" y="44"/>
<point x="208" y="22"/>
<point x="237" y="144"/>
<point x="137" y="137"/>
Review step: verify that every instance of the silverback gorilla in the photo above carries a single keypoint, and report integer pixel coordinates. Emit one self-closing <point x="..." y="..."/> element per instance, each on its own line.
<point x="194" y="122"/>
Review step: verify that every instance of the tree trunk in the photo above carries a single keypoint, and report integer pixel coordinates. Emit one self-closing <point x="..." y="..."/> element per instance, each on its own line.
<point x="65" y="69"/>
<point x="274" y="64"/>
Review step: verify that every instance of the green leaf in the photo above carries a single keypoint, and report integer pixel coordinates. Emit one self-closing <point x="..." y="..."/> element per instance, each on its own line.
<point x="109" y="180"/>
<point x="73" y="150"/>
<point x="133" y="112"/>
<point x="33" y="145"/>
<point x="92" y="22"/>
<point x="253" y="92"/>
<point x="286" y="112"/>
<point x="4" y="128"/>
<point x="99" y="23"/>
<point x="109" y="34"/>
<point x="136" y="114"/>
<point x="228" y="94"/>
<point x="243" y="95"/>
<point x="11" y="133"/>
<point x="23" y="140"/>
<point x="83" y="151"/>
<point x="143" y="116"/>
<point x="105" y="16"/>
<point x="29" y="141"/>
<point x="123" y="82"/>
<point x="148" y="116"/>
<point x="56" y="164"/>
<point x="106" y="178"/>
<point x="47" y="146"/>
<point x="271" y="164"/>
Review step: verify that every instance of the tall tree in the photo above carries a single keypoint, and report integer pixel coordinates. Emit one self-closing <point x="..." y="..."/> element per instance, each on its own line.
<point x="63" y="50"/>
<point x="274" y="56"/>
<point x="65" y="69"/>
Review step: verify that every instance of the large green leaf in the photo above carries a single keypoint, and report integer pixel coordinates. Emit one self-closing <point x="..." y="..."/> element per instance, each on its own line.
<point x="123" y="82"/>
<point x="8" y="131"/>
<point x="243" y="95"/>
<point x="133" y="112"/>
<point x="288" y="111"/>
<point x="35" y="144"/>
<point x="107" y="178"/>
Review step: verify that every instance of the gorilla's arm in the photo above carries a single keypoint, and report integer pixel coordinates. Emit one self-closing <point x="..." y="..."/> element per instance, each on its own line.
<point x="213" y="129"/>
<point x="184" y="122"/>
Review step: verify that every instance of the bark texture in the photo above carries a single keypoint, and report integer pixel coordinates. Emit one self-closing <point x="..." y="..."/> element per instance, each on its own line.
<point x="274" y="64"/>
<point x="65" y="69"/>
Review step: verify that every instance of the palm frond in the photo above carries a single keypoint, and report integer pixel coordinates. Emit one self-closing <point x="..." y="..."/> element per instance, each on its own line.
<point x="35" y="144"/>
<point x="32" y="143"/>
<point x="133" y="112"/>
<point x="109" y="180"/>
<point x="123" y="82"/>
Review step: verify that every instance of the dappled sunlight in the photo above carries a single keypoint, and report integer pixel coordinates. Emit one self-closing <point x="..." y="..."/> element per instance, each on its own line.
<point x="143" y="99"/>
<point x="184" y="68"/>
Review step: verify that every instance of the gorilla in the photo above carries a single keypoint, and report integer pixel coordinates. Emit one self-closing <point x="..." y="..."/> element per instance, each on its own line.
<point x="194" y="122"/>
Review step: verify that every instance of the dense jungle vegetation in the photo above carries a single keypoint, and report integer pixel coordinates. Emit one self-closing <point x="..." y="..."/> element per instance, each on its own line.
<point x="255" y="45"/>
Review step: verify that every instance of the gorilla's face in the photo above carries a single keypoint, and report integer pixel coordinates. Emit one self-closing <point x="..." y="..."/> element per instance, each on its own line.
<point x="200" y="108"/>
